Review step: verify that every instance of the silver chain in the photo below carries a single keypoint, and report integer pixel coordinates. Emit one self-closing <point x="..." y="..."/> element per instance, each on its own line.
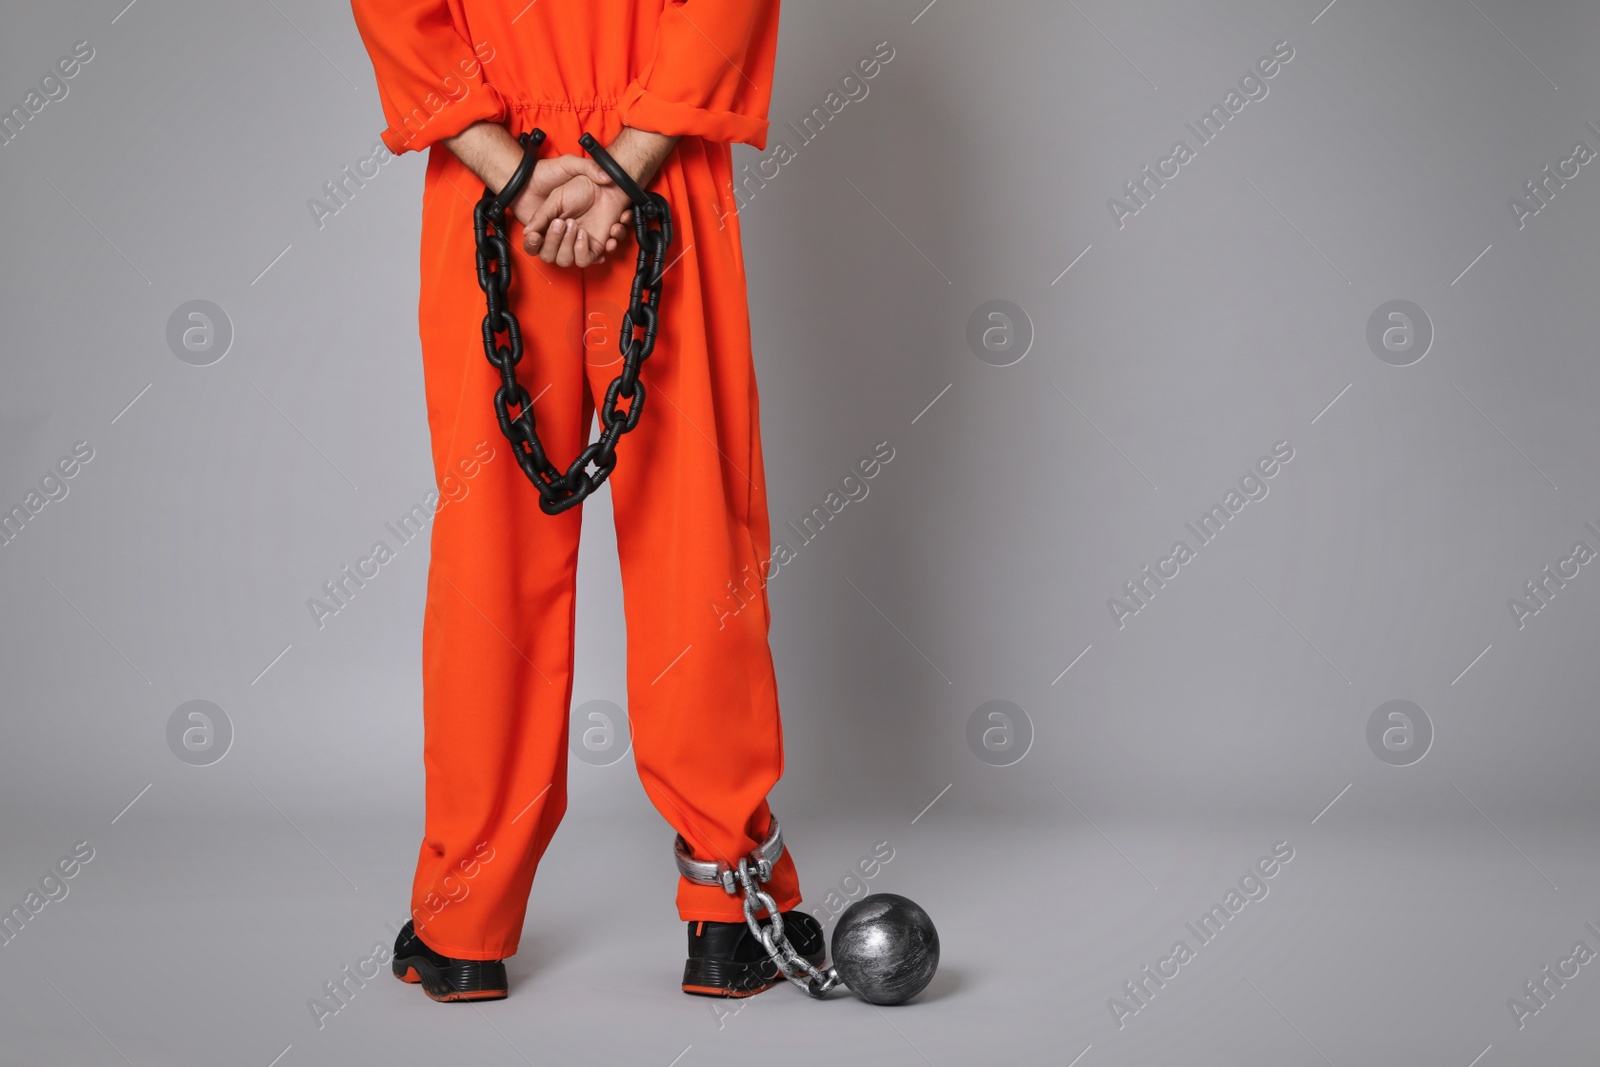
<point x="793" y="966"/>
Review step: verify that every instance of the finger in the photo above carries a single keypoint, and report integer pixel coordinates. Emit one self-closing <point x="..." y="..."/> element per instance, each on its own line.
<point x="594" y="232"/>
<point x="552" y="242"/>
<point x="616" y="237"/>
<point x="535" y="230"/>
<point x="569" y="245"/>
<point x="548" y="212"/>
<point x="585" y="251"/>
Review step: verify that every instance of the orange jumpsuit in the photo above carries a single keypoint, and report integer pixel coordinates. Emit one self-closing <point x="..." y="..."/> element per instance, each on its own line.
<point x="688" y="490"/>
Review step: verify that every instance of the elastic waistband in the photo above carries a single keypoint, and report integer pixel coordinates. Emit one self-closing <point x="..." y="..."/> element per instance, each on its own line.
<point x="523" y="103"/>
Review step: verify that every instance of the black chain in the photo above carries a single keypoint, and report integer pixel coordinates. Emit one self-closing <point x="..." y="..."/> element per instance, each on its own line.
<point x="559" y="491"/>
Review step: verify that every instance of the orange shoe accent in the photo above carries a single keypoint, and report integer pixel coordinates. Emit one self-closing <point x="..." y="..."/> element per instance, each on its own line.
<point x="479" y="994"/>
<point x="713" y="991"/>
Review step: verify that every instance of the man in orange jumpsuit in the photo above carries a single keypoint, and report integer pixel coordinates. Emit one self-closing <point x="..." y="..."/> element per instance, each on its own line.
<point x="666" y="85"/>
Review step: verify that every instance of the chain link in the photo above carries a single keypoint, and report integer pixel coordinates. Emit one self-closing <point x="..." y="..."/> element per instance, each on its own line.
<point x="560" y="490"/>
<point x="793" y="966"/>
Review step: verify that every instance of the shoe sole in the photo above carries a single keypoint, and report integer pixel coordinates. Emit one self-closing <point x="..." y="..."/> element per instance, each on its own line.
<point x="466" y="980"/>
<point x="707" y="977"/>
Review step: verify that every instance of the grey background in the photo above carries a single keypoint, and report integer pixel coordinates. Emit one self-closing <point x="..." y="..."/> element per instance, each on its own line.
<point x="1229" y="714"/>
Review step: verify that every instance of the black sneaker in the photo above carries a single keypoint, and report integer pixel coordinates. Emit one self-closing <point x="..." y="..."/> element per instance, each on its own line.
<point x="726" y="960"/>
<point x="443" y="978"/>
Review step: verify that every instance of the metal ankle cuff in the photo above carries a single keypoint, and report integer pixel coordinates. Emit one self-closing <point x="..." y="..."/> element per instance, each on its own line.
<point x="720" y="873"/>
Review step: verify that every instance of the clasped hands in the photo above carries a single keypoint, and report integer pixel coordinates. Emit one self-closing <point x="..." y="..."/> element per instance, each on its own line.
<point x="572" y="213"/>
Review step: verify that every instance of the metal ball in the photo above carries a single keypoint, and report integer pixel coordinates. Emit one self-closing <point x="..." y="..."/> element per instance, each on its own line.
<point x="885" y="948"/>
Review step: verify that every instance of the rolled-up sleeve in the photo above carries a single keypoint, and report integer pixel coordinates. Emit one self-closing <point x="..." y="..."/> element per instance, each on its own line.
<point x="710" y="74"/>
<point x="430" y="76"/>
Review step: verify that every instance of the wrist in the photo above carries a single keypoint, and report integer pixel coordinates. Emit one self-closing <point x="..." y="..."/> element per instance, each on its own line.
<point x="500" y="164"/>
<point x="489" y="151"/>
<point x="641" y="152"/>
<point x="498" y="171"/>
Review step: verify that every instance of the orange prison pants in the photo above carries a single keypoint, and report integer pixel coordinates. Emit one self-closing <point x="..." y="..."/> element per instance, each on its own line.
<point x="690" y="506"/>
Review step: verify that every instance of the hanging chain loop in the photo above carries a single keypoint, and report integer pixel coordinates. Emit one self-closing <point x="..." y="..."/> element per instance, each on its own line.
<point x="502" y="333"/>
